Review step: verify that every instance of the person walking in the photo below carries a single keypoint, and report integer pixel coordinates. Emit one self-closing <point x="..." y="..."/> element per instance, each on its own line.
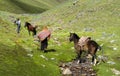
<point x="18" y="23"/>
<point x="43" y="37"/>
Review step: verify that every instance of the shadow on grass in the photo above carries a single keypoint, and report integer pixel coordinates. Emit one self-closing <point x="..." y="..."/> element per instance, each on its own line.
<point x="50" y="50"/>
<point x="28" y="8"/>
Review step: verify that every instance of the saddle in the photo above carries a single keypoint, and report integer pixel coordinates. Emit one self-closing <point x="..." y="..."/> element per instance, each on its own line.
<point x="83" y="42"/>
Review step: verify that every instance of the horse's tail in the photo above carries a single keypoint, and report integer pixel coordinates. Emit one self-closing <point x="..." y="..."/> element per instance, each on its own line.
<point x="99" y="47"/>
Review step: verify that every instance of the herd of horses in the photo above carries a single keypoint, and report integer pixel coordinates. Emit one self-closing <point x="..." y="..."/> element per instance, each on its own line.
<point x="90" y="46"/>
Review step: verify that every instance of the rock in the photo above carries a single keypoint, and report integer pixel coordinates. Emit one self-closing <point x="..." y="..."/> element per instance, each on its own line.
<point x="89" y="56"/>
<point x="62" y="68"/>
<point x="83" y="74"/>
<point x="93" y="74"/>
<point x="102" y="59"/>
<point x="74" y="69"/>
<point x="90" y="70"/>
<point x="116" y="72"/>
<point x="52" y="58"/>
<point x="111" y="62"/>
<point x="56" y="39"/>
<point x="74" y="3"/>
<point x="112" y="41"/>
<point x="30" y="55"/>
<point x="43" y="57"/>
<point x="67" y="72"/>
<point x="114" y="48"/>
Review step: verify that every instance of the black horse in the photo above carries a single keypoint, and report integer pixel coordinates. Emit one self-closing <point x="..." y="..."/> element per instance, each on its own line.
<point x="91" y="47"/>
<point x="31" y="28"/>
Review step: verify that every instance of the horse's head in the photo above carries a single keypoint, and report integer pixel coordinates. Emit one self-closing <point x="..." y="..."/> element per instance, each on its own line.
<point x="73" y="36"/>
<point x="27" y="24"/>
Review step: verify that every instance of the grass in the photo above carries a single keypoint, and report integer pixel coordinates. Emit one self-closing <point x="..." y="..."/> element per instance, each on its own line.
<point x="15" y="50"/>
<point x="23" y="6"/>
<point x="98" y="19"/>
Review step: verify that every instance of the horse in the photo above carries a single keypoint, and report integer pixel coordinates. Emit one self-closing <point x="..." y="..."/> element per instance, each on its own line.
<point x="90" y="47"/>
<point x="30" y="28"/>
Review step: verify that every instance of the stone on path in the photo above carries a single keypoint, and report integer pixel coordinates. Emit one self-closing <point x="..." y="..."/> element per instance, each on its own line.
<point x="66" y="71"/>
<point x="75" y="69"/>
<point x="116" y="72"/>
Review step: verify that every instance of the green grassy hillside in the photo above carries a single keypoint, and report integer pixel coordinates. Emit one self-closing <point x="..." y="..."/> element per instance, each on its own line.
<point x="31" y="6"/>
<point x="99" y="19"/>
<point x="20" y="55"/>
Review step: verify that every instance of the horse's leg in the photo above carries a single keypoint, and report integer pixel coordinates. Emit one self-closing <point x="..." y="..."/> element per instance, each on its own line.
<point x="79" y="57"/>
<point x="34" y="32"/>
<point x="93" y="51"/>
<point x="94" y="59"/>
<point x="29" y="32"/>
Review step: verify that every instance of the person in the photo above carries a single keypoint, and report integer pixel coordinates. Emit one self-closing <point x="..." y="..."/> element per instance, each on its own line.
<point x="18" y="23"/>
<point x="43" y="37"/>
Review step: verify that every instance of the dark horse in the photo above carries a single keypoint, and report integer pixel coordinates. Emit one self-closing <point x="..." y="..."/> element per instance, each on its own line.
<point x="91" y="46"/>
<point x="31" y="28"/>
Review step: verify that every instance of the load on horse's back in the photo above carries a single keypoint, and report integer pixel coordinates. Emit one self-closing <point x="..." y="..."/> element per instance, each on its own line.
<point x="31" y="28"/>
<point x="83" y="42"/>
<point x="44" y="36"/>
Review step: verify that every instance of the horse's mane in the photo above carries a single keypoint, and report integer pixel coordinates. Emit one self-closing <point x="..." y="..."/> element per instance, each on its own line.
<point x="76" y="36"/>
<point x="27" y="23"/>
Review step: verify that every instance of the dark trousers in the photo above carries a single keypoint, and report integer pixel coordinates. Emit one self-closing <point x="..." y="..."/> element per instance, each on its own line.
<point x="44" y="44"/>
<point x="18" y="28"/>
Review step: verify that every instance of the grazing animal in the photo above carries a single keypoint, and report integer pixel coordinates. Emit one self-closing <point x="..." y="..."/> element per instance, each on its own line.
<point x="90" y="46"/>
<point x="30" y="28"/>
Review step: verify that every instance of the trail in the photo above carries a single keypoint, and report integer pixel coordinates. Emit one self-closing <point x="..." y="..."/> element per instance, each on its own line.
<point x="78" y="69"/>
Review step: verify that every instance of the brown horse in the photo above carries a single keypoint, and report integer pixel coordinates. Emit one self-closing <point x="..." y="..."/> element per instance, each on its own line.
<point x="31" y="28"/>
<point x="91" y="47"/>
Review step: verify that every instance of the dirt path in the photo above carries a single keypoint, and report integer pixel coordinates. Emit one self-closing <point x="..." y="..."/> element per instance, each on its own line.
<point x="77" y="69"/>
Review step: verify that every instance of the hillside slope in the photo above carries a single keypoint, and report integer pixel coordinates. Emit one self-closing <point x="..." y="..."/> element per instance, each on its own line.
<point x="98" y="19"/>
<point x="31" y="6"/>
